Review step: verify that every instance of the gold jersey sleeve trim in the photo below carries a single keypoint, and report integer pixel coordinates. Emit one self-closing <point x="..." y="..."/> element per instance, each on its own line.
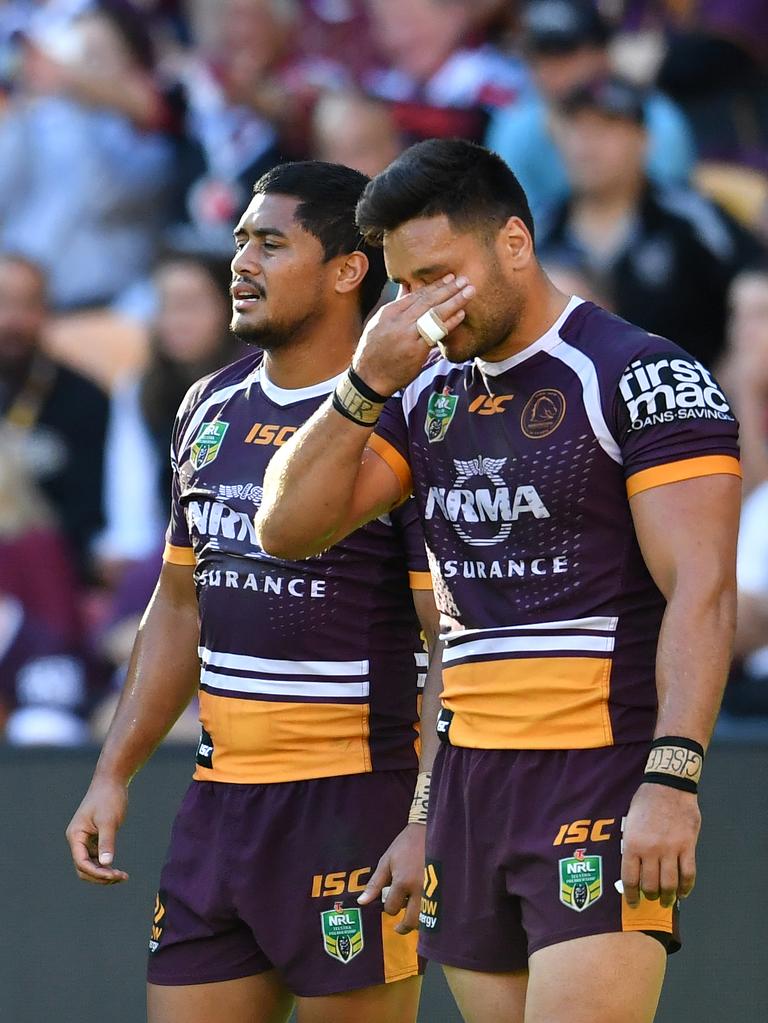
<point x="178" y="555"/>
<point x="686" y="469"/>
<point x="395" y="461"/>
<point x="420" y="580"/>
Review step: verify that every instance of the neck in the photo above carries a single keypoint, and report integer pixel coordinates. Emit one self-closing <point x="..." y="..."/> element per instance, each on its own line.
<point x="544" y="304"/>
<point x="309" y="358"/>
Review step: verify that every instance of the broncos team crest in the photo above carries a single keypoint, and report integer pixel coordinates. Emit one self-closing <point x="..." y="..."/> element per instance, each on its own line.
<point x="342" y="932"/>
<point x="440" y="411"/>
<point x="205" y="446"/>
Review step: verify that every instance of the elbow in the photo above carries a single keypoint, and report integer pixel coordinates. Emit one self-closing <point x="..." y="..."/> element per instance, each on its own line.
<point x="277" y="541"/>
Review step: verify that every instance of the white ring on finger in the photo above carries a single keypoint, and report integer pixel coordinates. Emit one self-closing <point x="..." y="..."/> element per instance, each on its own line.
<point x="431" y="328"/>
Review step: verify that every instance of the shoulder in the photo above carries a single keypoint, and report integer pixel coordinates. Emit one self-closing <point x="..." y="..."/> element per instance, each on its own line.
<point x="611" y="342"/>
<point x="220" y="383"/>
<point x="435" y="373"/>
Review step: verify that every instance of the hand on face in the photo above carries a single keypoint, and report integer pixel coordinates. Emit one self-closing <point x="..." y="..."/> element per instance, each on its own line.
<point x="391" y="351"/>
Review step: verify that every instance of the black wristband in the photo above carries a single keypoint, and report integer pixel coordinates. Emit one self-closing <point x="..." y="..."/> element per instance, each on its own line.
<point x="337" y="404"/>
<point x="679" y="740"/>
<point x="683" y="784"/>
<point x="365" y="390"/>
<point x="675" y="761"/>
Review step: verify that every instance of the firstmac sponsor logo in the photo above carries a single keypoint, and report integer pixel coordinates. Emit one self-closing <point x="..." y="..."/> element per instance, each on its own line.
<point x="664" y="390"/>
<point x="480" y="505"/>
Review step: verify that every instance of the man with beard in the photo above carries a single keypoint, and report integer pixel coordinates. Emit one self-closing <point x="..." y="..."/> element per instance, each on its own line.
<point x="56" y="418"/>
<point x="578" y="483"/>
<point x="308" y="672"/>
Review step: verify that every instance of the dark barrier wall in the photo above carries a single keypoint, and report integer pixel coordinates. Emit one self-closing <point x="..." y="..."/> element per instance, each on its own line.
<point x="72" y="953"/>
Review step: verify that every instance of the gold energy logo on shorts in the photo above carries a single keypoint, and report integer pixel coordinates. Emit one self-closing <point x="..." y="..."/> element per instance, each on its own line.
<point x="428" y="917"/>
<point x="158" y="922"/>
<point x="543" y="413"/>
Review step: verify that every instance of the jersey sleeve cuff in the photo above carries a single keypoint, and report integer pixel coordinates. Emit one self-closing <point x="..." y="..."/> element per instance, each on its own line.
<point x="395" y="461"/>
<point x="178" y="555"/>
<point x="420" y="580"/>
<point x="686" y="469"/>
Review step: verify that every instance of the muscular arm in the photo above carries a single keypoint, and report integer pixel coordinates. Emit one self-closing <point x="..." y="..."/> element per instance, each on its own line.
<point x="687" y="532"/>
<point x="162" y="677"/>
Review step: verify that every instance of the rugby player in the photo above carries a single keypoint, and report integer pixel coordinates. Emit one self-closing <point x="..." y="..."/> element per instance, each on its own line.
<point x="578" y="481"/>
<point x="307" y="672"/>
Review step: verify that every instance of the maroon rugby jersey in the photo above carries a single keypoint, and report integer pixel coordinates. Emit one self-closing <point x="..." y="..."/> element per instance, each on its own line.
<point x="308" y="669"/>
<point x="522" y="471"/>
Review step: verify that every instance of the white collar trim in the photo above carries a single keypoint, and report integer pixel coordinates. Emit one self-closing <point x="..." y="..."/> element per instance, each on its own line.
<point x="546" y="342"/>
<point x="289" y="396"/>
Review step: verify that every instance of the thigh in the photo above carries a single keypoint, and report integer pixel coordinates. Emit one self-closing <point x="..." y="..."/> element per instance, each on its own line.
<point x="383" y="1003"/>
<point x="468" y="919"/>
<point x="261" y="999"/>
<point x="605" y="978"/>
<point x="488" y="997"/>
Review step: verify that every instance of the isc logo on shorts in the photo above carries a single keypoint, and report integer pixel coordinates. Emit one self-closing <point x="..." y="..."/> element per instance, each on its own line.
<point x="662" y="390"/>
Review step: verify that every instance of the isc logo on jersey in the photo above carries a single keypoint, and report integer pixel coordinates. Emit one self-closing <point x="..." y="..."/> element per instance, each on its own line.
<point x="483" y="515"/>
<point x="661" y="390"/>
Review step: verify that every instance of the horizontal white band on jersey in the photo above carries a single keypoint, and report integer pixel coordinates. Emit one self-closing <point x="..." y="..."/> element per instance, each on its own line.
<point x="274" y="666"/>
<point x="567" y="637"/>
<point x="283" y="687"/>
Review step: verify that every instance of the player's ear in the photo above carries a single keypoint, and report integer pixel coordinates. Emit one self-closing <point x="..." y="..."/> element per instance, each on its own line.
<point x="516" y="243"/>
<point x="351" y="270"/>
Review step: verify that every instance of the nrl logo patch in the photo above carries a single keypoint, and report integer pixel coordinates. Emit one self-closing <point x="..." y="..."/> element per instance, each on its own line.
<point x="440" y="411"/>
<point x="205" y="446"/>
<point x="581" y="880"/>
<point x="342" y="932"/>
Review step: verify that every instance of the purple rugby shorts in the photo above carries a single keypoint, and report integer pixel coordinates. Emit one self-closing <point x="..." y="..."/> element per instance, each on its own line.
<point x="267" y="876"/>
<point x="524" y="850"/>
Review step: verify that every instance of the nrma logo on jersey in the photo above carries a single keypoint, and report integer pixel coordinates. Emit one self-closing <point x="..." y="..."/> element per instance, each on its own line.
<point x="483" y="515"/>
<point x="661" y="390"/>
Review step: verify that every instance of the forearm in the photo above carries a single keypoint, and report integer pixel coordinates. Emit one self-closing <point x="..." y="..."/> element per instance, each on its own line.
<point x="430" y="708"/>
<point x="309" y="484"/>
<point x="160" y="683"/>
<point x="693" y="659"/>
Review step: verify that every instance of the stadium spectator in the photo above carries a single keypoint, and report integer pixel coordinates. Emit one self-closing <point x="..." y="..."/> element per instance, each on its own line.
<point x="745" y="372"/>
<point x="666" y="257"/>
<point x="355" y="130"/>
<point x="189" y="339"/>
<point x="440" y="78"/>
<point x="44" y="691"/>
<point x="35" y="565"/>
<point x="82" y="166"/>
<point x="56" y="417"/>
<point x="566" y="45"/>
<point x="747" y="693"/>
<point x="249" y="94"/>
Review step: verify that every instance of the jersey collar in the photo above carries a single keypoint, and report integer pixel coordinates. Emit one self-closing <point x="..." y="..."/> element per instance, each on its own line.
<point x="289" y="396"/>
<point x="542" y="344"/>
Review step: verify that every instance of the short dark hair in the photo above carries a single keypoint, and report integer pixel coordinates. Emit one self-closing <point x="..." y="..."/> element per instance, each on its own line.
<point x="328" y="194"/>
<point x="472" y="186"/>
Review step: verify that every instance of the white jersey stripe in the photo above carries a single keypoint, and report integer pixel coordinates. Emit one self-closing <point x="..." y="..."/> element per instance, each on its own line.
<point x="586" y="371"/>
<point x="594" y="624"/>
<point x="241" y="662"/>
<point x="217" y="398"/>
<point x="528" y="644"/>
<point x="268" y="687"/>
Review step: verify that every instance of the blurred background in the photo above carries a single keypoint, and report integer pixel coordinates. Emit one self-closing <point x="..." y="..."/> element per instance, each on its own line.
<point x="130" y="136"/>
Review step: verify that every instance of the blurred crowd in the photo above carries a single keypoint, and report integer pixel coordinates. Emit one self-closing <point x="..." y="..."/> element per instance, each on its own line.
<point x="130" y="137"/>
